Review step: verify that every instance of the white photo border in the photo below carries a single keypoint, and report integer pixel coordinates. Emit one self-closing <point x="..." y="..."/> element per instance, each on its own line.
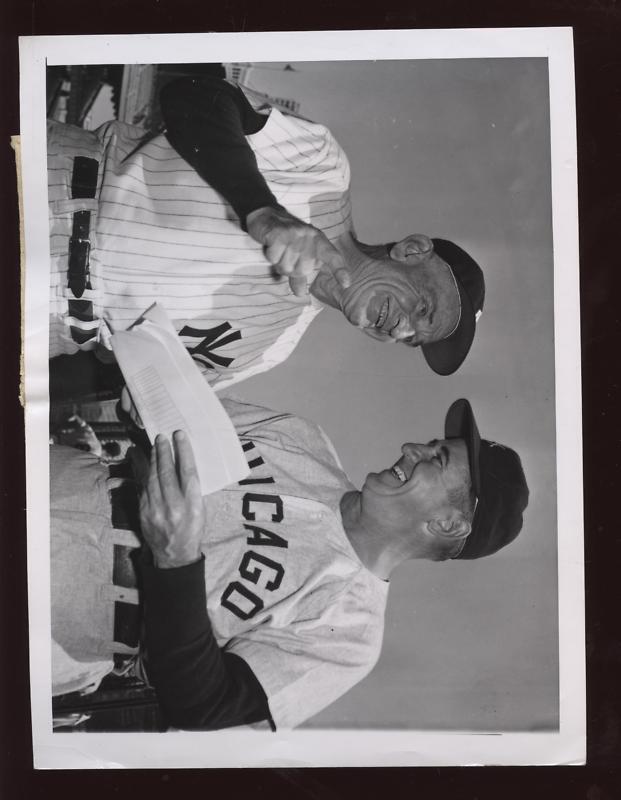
<point x="305" y="747"/>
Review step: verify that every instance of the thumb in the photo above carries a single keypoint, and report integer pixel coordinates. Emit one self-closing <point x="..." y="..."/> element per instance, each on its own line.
<point x="343" y="278"/>
<point x="335" y="262"/>
<point x="299" y="285"/>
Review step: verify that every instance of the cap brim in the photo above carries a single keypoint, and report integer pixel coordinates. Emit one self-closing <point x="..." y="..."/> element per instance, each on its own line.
<point x="447" y="356"/>
<point x="461" y="424"/>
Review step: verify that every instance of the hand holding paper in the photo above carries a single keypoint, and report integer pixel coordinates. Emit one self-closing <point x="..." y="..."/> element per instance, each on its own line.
<point x="172" y="516"/>
<point x="170" y="395"/>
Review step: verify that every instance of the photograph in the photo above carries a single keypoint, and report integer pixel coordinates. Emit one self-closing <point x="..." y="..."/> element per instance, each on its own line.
<point x="255" y="533"/>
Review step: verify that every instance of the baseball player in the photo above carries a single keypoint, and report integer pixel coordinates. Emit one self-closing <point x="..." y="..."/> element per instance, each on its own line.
<point x="201" y="218"/>
<point x="266" y="600"/>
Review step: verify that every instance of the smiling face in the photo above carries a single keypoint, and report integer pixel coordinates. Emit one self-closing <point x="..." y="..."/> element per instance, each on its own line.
<point x="408" y="296"/>
<point x="417" y="494"/>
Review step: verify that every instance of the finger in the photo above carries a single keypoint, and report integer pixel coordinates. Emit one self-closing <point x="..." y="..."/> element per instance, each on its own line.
<point x="133" y="413"/>
<point x="288" y="261"/>
<point x="126" y="400"/>
<point x="136" y="418"/>
<point x="343" y="278"/>
<point x="153" y="481"/>
<point x="299" y="285"/>
<point x="274" y="253"/>
<point x="304" y="271"/>
<point x="144" y="509"/>
<point x="331" y="257"/>
<point x="166" y="473"/>
<point x="186" y="463"/>
<point x="308" y="264"/>
<point x="337" y="267"/>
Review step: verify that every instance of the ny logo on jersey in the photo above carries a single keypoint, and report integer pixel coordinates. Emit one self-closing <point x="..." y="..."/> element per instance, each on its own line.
<point x="212" y="338"/>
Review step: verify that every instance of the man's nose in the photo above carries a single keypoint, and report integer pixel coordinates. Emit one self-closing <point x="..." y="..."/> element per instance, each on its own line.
<point x="418" y="452"/>
<point x="403" y="330"/>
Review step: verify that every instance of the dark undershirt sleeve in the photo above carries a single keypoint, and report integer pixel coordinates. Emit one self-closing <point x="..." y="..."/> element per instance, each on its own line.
<point x="198" y="686"/>
<point x="207" y="121"/>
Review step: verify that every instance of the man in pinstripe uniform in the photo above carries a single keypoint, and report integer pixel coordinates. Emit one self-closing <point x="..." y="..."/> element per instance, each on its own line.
<point x="206" y="218"/>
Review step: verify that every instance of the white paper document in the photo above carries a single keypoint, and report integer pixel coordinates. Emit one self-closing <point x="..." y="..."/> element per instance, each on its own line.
<point x="171" y="394"/>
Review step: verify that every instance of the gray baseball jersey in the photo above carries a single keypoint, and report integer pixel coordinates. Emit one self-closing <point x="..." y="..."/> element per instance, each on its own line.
<point x="285" y="589"/>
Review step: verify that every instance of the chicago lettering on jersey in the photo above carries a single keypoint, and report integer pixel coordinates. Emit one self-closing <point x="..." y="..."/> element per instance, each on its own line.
<point x="258" y="572"/>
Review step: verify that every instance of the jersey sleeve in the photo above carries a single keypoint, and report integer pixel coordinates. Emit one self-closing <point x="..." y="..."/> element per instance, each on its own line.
<point x="207" y="121"/>
<point x="198" y="686"/>
<point x="319" y="656"/>
<point x="307" y="170"/>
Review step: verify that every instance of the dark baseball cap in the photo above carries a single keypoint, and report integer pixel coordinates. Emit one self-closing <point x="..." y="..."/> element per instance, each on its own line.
<point x="498" y="483"/>
<point x="446" y="356"/>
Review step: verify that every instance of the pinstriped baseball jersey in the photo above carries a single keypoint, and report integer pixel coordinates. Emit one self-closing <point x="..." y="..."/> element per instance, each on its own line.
<point x="160" y="233"/>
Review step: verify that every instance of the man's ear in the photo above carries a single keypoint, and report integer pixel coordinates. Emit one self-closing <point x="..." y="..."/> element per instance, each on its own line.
<point x="411" y="249"/>
<point x="455" y="526"/>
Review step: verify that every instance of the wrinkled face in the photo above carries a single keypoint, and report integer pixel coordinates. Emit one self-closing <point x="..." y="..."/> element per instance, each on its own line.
<point x="407" y="296"/>
<point x="416" y="487"/>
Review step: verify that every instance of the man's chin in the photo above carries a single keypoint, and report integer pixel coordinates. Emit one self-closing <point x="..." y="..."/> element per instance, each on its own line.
<point x="380" y="336"/>
<point x="355" y="317"/>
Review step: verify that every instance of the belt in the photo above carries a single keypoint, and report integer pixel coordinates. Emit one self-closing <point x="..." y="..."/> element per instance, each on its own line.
<point x="83" y="184"/>
<point x="125" y="516"/>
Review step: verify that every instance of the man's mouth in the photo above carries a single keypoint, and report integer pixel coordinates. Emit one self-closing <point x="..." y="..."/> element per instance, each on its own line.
<point x="383" y="313"/>
<point x="399" y="473"/>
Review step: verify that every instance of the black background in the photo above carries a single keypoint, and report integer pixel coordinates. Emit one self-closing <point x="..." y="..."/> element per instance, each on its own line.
<point x="597" y="41"/>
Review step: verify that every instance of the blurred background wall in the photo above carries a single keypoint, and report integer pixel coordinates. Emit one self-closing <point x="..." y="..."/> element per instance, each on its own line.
<point x="458" y="149"/>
